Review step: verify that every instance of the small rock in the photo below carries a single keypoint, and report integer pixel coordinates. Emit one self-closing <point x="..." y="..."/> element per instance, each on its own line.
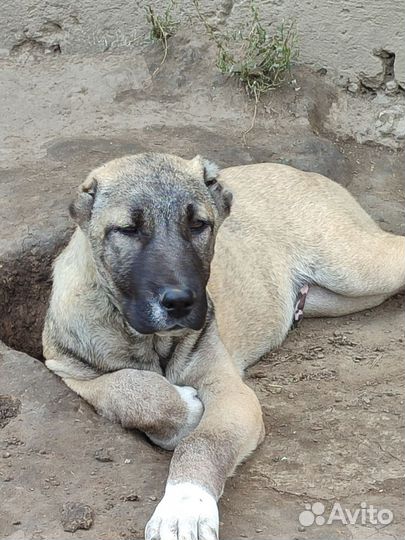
<point x="152" y="498"/>
<point x="353" y="88"/>
<point x="391" y="86"/>
<point x="52" y="481"/>
<point x="127" y="461"/>
<point x="258" y="375"/>
<point x="130" y="498"/>
<point x="290" y="395"/>
<point x="103" y="455"/>
<point x="301" y="528"/>
<point x="13" y="441"/>
<point x="6" y="455"/>
<point x="76" y="516"/>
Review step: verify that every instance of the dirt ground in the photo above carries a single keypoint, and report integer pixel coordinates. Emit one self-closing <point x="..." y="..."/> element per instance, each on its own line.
<point x="332" y="394"/>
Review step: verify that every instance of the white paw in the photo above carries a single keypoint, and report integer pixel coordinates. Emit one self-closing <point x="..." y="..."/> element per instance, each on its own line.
<point x="194" y="406"/>
<point x="58" y="368"/>
<point x="195" y="411"/>
<point x="186" y="512"/>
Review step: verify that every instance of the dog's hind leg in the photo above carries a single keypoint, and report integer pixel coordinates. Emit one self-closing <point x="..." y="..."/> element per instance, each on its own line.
<point x="324" y="303"/>
<point x="357" y="263"/>
<point x="142" y="400"/>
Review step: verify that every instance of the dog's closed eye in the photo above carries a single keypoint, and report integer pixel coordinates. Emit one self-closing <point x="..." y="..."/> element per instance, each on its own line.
<point x="198" y="225"/>
<point x="131" y="230"/>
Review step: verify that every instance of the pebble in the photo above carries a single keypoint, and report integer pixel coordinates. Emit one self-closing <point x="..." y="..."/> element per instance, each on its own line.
<point x="6" y="455"/>
<point x="391" y="86"/>
<point x="152" y="498"/>
<point x="103" y="455"/>
<point x="353" y="88"/>
<point x="130" y="498"/>
<point x="76" y="516"/>
<point x="301" y="528"/>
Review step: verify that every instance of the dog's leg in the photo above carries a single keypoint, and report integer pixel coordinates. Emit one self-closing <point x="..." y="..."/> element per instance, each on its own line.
<point x="324" y="303"/>
<point x="362" y="263"/>
<point x="141" y="400"/>
<point x="229" y="431"/>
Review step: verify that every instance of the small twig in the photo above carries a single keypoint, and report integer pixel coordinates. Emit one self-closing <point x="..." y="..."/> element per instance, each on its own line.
<point x="252" y="125"/>
<point x="162" y="29"/>
<point x="387" y="451"/>
<point x="165" y="48"/>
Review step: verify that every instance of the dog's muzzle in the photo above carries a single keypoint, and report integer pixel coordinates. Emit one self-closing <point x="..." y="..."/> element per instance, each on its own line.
<point x="173" y="309"/>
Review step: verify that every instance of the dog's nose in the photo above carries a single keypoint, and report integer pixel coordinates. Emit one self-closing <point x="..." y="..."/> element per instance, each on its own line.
<point x="177" y="302"/>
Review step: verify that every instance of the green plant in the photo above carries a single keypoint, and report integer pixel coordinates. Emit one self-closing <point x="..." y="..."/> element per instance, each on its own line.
<point x="163" y="27"/>
<point x="259" y="60"/>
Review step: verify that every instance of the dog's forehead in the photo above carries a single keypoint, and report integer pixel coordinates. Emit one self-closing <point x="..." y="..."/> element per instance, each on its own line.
<point x="155" y="170"/>
<point x="160" y="184"/>
<point x="157" y="179"/>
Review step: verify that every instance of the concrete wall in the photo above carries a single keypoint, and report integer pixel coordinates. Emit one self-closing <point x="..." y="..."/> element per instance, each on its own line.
<point x="338" y="35"/>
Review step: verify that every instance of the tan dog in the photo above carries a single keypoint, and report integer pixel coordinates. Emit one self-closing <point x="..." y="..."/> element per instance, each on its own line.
<point x="143" y="318"/>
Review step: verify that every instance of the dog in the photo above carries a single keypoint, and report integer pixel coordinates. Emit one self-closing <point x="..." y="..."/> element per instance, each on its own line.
<point x="154" y="330"/>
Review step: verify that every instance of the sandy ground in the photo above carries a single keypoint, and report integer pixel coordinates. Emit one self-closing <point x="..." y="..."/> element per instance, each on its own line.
<point x="332" y="395"/>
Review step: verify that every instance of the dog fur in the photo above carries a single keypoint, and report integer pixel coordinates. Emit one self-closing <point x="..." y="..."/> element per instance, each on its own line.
<point x="183" y="387"/>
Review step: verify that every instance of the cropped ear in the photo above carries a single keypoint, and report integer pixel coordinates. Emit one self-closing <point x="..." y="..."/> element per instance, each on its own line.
<point x="222" y="196"/>
<point x="80" y="209"/>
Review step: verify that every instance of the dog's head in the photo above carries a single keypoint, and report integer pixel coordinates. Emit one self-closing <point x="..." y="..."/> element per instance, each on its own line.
<point x="151" y="220"/>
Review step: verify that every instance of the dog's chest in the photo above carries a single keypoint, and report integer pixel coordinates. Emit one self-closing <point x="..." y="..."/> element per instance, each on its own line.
<point x="147" y="353"/>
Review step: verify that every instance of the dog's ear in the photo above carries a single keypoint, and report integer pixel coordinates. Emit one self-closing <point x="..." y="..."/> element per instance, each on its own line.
<point x="210" y="171"/>
<point x="80" y="209"/>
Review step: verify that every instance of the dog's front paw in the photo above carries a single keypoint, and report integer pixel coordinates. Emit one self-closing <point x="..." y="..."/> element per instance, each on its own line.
<point x="194" y="406"/>
<point x="193" y="411"/>
<point x="186" y="512"/>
